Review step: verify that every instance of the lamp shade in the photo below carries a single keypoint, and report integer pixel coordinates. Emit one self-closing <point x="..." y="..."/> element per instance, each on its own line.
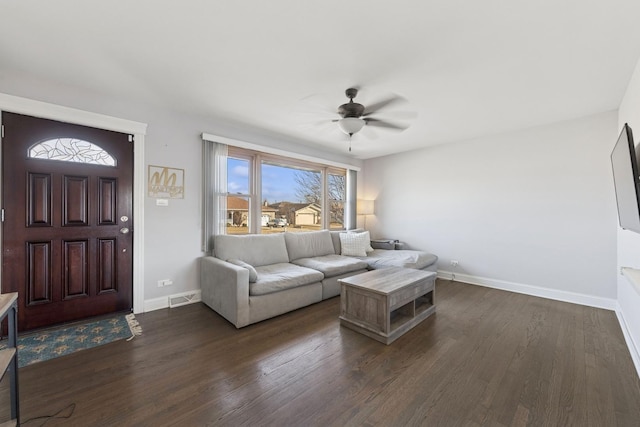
<point x="364" y="207"/>
<point x="351" y="125"/>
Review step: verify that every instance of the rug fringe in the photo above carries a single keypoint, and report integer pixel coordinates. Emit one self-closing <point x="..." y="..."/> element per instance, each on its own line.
<point x="134" y="326"/>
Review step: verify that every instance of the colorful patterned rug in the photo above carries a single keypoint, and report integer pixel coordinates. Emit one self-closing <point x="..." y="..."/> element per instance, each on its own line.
<point x="47" y="344"/>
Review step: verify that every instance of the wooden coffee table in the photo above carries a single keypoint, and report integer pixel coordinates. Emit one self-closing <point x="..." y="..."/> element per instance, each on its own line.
<point x="384" y="304"/>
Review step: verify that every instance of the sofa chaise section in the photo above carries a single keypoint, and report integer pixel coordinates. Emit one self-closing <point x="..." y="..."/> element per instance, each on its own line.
<point x="383" y="258"/>
<point x="386" y="253"/>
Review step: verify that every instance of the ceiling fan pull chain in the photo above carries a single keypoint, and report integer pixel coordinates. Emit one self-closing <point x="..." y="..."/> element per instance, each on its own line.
<point x="350" y="142"/>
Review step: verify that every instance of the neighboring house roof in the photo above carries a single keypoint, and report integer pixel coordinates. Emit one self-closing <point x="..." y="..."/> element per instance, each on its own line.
<point x="237" y="204"/>
<point x="305" y="206"/>
<point x="289" y="205"/>
<point x="241" y="204"/>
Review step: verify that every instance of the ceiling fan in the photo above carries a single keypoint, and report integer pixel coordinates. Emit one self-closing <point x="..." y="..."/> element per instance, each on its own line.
<point x="355" y="115"/>
<point x="315" y="112"/>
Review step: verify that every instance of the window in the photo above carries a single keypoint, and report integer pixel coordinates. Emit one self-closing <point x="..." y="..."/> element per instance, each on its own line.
<point x="238" y="195"/>
<point x="289" y="195"/>
<point x="292" y="197"/>
<point x="71" y="150"/>
<point x="249" y="191"/>
<point x="337" y="196"/>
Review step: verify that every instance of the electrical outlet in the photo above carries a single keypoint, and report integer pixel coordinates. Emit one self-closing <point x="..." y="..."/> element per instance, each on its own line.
<point x="165" y="282"/>
<point x="454" y="262"/>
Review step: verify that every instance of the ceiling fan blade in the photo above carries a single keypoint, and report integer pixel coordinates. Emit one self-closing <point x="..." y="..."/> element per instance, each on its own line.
<point x="313" y="107"/>
<point x="318" y="126"/>
<point x="398" y="115"/>
<point x="386" y="125"/>
<point x="377" y="106"/>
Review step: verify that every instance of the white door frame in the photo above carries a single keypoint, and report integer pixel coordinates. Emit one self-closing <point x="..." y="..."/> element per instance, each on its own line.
<point x="15" y="104"/>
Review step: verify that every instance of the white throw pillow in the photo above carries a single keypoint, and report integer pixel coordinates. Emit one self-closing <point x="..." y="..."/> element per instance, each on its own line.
<point x="369" y="247"/>
<point x="253" y="274"/>
<point x="355" y="244"/>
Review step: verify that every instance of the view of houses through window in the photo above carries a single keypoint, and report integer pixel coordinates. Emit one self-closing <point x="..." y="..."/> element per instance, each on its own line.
<point x="292" y="194"/>
<point x="337" y="196"/>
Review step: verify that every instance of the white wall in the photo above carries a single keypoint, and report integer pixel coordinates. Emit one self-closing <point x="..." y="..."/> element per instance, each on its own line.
<point x="531" y="211"/>
<point x="628" y="241"/>
<point x="172" y="234"/>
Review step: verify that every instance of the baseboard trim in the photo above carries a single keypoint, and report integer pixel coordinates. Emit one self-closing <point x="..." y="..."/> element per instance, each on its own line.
<point x="536" y="291"/>
<point x="156" y="304"/>
<point x="634" y="349"/>
<point x="163" y="302"/>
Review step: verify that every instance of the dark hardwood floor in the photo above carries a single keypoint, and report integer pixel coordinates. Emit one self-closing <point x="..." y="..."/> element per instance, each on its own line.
<point x="487" y="357"/>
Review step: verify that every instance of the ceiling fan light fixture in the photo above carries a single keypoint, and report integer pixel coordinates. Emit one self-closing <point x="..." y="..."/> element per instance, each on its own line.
<point x="351" y="125"/>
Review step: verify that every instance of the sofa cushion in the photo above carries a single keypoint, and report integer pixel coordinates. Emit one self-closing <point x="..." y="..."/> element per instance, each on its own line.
<point x="282" y="276"/>
<point x="254" y="249"/>
<point x="381" y="258"/>
<point x="308" y="244"/>
<point x="332" y="265"/>
<point x="335" y="238"/>
<point x="368" y="236"/>
<point x="253" y="274"/>
<point x="355" y="244"/>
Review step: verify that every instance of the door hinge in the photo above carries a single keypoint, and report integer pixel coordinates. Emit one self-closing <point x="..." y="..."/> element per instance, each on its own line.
<point x="130" y="138"/>
<point x="1" y="215"/>
<point x="2" y="131"/>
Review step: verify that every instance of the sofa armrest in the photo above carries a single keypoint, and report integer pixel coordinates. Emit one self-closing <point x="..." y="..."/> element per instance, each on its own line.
<point x="225" y="288"/>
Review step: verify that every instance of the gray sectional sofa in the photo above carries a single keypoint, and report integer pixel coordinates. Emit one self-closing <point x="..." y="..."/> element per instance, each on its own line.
<point x="249" y="278"/>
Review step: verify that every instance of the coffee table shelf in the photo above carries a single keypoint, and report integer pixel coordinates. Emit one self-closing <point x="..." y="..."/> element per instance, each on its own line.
<point x="384" y="304"/>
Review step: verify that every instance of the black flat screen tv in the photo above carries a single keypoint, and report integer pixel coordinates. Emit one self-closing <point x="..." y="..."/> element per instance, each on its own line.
<point x="624" y="160"/>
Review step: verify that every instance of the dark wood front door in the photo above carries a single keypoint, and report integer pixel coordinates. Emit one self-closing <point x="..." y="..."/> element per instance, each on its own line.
<point x="67" y="233"/>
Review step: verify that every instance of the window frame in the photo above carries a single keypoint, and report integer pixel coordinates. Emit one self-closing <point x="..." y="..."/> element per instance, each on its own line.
<point x="256" y="159"/>
<point x="336" y="172"/>
<point x="240" y="154"/>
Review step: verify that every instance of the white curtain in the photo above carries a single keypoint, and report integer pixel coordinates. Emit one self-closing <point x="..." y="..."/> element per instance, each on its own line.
<point x="220" y="152"/>
<point x="215" y="187"/>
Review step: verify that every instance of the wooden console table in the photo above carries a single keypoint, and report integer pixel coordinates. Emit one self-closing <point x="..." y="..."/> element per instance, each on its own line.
<point x="384" y="304"/>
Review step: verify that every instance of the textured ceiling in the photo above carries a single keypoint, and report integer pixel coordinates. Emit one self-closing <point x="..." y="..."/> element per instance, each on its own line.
<point x="467" y="68"/>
